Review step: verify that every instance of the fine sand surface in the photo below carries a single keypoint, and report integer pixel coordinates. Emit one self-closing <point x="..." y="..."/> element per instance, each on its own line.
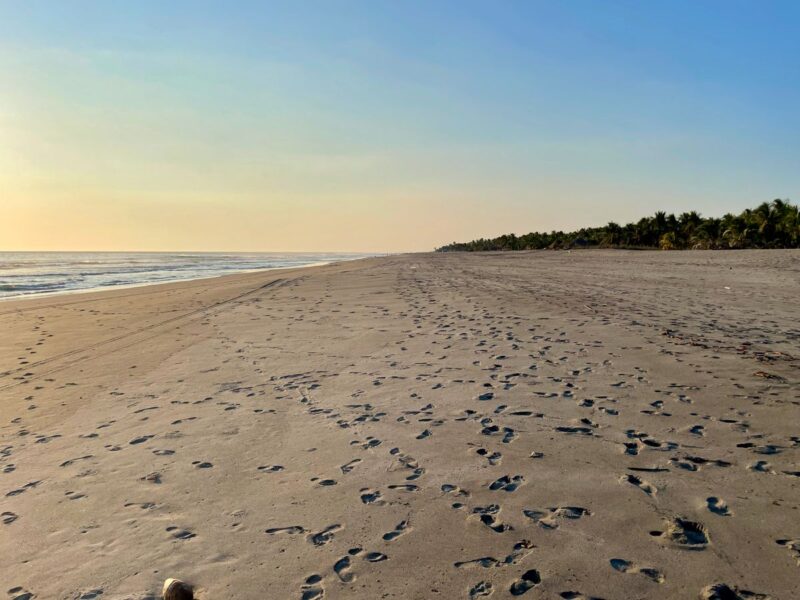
<point x="596" y="424"/>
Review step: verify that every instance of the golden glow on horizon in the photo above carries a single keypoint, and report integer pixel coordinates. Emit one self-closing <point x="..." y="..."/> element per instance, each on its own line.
<point x="68" y="184"/>
<point x="153" y="189"/>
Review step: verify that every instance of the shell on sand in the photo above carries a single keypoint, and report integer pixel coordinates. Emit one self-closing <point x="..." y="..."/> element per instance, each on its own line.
<point x="175" y="589"/>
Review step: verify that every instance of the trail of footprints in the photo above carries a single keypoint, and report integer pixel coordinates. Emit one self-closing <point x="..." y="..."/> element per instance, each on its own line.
<point x="558" y="371"/>
<point x="677" y="531"/>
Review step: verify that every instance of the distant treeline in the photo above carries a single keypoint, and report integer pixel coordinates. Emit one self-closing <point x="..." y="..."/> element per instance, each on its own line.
<point x="773" y="224"/>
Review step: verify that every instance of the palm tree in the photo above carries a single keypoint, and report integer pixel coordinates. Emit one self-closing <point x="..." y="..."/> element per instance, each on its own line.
<point x="773" y="224"/>
<point x="659" y="223"/>
<point x="613" y="234"/>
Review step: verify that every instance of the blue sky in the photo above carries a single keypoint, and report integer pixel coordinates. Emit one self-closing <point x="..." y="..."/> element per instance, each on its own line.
<point x="386" y="125"/>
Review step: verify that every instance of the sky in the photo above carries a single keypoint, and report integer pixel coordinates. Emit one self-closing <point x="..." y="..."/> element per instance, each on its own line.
<point x="385" y="126"/>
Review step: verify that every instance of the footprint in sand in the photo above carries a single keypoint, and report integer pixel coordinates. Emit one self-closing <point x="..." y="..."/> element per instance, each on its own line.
<point x="793" y="546"/>
<point x="202" y="464"/>
<point x="418" y="472"/>
<point x="142" y="505"/>
<point x="291" y="530"/>
<point x="507" y="483"/>
<point x="8" y="517"/>
<point x="20" y="593"/>
<point x="324" y="536"/>
<point x="347" y="467"/>
<point x="718" y="506"/>
<point x="646" y="487"/>
<point x="405" y="487"/>
<point x="694" y="463"/>
<point x="152" y="478"/>
<point x="72" y="461"/>
<point x="23" y="489"/>
<point x="529" y="579"/>
<point x="632" y="448"/>
<point x="371" y="443"/>
<point x="488" y="518"/>
<point x="449" y="488"/>
<point x="624" y="566"/>
<point x="141" y="439"/>
<point x="342" y="569"/>
<point x="371" y="497"/>
<point x="312" y="588"/>
<point x="698" y="430"/>
<point x="180" y="534"/>
<point x="521" y="549"/>
<point x="721" y="591"/>
<point x="574" y="430"/>
<point x="375" y="557"/>
<point x="761" y="466"/>
<point x="400" y="529"/>
<point x="270" y="468"/>
<point x="494" y="458"/>
<point x="548" y="519"/>
<point x="685" y="534"/>
<point x="481" y="589"/>
<point x="508" y="433"/>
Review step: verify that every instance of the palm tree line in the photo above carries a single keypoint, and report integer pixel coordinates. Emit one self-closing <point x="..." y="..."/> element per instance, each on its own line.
<point x="773" y="224"/>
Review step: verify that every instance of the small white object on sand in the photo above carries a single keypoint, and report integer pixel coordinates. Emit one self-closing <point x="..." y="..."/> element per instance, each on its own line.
<point x="175" y="589"/>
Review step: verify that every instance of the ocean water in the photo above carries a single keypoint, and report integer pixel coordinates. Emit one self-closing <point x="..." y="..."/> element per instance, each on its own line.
<point x="29" y="273"/>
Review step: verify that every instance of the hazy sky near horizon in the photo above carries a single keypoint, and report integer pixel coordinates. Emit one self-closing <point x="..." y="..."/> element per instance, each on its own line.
<point x="385" y="126"/>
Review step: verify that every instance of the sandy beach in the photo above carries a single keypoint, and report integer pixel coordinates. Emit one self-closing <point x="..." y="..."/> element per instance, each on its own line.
<point x="577" y="425"/>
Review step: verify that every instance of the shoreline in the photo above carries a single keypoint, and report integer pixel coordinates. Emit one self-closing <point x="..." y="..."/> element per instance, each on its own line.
<point x="112" y="288"/>
<point x="164" y="281"/>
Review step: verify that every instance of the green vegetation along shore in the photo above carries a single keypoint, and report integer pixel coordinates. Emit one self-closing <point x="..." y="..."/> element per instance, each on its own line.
<point x="773" y="224"/>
